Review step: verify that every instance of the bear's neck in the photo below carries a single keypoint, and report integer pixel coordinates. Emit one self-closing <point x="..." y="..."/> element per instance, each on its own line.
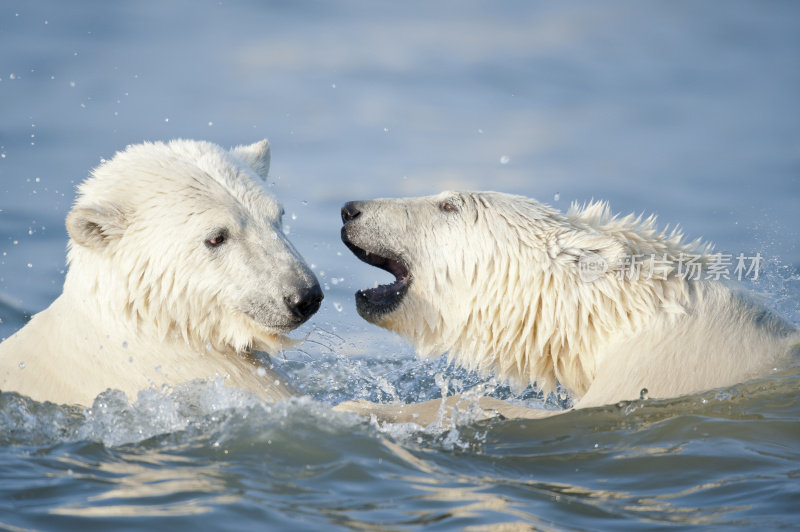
<point x="160" y="314"/>
<point x="120" y="355"/>
<point x="96" y="336"/>
<point x="555" y="329"/>
<point x="525" y="320"/>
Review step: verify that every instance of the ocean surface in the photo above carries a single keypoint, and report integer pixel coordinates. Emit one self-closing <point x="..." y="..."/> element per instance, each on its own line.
<point x="687" y="110"/>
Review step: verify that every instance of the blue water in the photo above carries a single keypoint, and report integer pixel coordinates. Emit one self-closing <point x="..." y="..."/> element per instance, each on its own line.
<point x="688" y="110"/>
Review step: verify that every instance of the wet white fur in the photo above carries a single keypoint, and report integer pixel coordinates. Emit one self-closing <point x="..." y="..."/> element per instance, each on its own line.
<point x="145" y="301"/>
<point x="495" y="284"/>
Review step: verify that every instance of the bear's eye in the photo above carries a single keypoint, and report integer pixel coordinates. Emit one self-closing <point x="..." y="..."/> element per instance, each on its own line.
<point x="217" y="239"/>
<point x="448" y="206"/>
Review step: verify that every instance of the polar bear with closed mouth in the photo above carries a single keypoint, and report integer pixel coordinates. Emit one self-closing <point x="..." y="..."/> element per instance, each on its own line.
<point x="512" y="287"/>
<point x="178" y="270"/>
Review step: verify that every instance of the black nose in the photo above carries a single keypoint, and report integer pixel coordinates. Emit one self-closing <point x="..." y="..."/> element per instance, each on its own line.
<point x="350" y="211"/>
<point x="303" y="305"/>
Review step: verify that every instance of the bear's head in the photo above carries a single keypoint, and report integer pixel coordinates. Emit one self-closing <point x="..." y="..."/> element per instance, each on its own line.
<point x="504" y="283"/>
<point x="182" y="239"/>
<point x="443" y="251"/>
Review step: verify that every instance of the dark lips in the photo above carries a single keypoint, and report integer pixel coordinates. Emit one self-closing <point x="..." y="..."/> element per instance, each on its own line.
<point x="383" y="299"/>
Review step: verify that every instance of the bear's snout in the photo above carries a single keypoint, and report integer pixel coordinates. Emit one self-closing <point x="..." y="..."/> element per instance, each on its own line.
<point x="350" y="211"/>
<point x="304" y="304"/>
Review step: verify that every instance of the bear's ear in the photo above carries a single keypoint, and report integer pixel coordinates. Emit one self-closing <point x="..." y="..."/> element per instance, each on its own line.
<point x="256" y="156"/>
<point x="95" y="228"/>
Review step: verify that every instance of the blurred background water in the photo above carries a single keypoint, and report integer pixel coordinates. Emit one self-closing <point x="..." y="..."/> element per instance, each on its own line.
<point x="688" y="110"/>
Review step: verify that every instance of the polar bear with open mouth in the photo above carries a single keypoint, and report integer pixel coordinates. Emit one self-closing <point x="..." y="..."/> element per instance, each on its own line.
<point x="178" y="270"/>
<point x="595" y="302"/>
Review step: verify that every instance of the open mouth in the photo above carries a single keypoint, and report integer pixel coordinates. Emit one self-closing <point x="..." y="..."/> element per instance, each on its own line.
<point x="383" y="299"/>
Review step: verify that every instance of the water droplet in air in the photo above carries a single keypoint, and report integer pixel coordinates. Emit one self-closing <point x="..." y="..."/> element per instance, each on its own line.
<point x="22" y="365"/>
<point x="643" y="394"/>
<point x="557" y="196"/>
<point x="505" y="159"/>
<point x="260" y="371"/>
<point x="124" y="345"/>
<point x="337" y="306"/>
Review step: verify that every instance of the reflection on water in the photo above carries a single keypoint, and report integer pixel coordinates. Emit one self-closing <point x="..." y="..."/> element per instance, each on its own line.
<point x="143" y="481"/>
